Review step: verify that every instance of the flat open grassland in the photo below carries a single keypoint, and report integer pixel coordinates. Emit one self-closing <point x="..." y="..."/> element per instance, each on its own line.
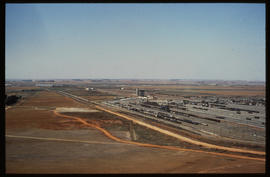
<point x="38" y="141"/>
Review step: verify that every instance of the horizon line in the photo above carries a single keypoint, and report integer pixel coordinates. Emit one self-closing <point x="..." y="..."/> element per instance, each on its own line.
<point x="135" y="79"/>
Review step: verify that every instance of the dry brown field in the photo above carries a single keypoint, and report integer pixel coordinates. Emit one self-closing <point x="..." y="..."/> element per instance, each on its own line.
<point x="47" y="98"/>
<point x="255" y="87"/>
<point x="236" y="92"/>
<point x="38" y="141"/>
<point x="215" y="90"/>
<point x="13" y="88"/>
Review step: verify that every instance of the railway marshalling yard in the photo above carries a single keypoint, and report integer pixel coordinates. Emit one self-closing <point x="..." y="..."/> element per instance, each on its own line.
<point x="109" y="129"/>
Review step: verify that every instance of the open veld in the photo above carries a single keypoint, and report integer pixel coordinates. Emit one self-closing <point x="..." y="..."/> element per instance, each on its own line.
<point x="48" y="132"/>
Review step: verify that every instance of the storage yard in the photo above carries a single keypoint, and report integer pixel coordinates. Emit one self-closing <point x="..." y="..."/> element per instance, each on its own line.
<point x="243" y="122"/>
<point x="63" y="127"/>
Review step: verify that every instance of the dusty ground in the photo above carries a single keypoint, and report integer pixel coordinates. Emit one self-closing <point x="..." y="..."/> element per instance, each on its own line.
<point x="36" y="156"/>
<point x="97" y="154"/>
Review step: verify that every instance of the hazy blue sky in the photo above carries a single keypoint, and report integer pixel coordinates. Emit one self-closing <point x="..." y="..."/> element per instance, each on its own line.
<point x="166" y="41"/>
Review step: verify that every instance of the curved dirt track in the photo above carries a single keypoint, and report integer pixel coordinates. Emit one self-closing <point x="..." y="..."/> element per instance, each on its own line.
<point x="151" y="145"/>
<point x="182" y="138"/>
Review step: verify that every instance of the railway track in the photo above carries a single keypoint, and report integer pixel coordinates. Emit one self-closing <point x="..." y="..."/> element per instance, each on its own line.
<point x="182" y="138"/>
<point x="109" y="135"/>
